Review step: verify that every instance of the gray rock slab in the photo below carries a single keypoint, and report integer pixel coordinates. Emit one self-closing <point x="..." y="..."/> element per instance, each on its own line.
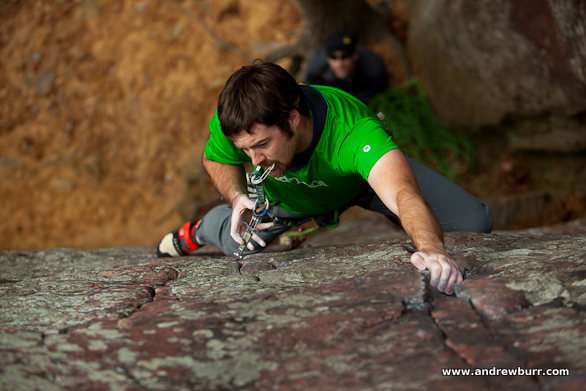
<point x="329" y="317"/>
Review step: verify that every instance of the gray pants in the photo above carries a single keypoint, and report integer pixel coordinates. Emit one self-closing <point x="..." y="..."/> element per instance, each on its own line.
<point x="454" y="208"/>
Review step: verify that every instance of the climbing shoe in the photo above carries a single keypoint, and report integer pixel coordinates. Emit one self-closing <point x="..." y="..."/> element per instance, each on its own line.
<point x="179" y="242"/>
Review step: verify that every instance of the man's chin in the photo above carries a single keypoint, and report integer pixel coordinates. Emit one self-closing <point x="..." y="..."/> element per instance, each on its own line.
<point x="277" y="173"/>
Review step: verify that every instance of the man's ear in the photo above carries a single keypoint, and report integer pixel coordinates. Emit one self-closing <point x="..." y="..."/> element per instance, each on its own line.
<point x="294" y="119"/>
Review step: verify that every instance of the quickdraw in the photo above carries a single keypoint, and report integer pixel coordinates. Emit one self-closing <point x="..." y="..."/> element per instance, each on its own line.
<point x="261" y="206"/>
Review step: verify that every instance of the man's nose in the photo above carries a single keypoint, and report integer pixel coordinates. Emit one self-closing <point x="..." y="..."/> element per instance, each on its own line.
<point x="257" y="158"/>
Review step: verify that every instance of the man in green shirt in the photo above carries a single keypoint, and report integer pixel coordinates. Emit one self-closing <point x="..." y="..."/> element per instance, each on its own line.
<point x="328" y="151"/>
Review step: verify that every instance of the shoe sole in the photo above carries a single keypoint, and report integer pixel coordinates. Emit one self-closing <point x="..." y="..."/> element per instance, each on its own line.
<point x="166" y="247"/>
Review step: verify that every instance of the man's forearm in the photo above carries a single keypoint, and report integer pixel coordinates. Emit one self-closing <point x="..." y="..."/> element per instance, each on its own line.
<point x="419" y="222"/>
<point x="229" y="180"/>
<point x="393" y="181"/>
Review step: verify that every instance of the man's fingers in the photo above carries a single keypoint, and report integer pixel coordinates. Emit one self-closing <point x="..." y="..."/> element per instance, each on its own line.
<point x="235" y="224"/>
<point x="259" y="240"/>
<point x="255" y="237"/>
<point x="418" y="261"/>
<point x="236" y="236"/>
<point x="263" y="226"/>
<point x="452" y="281"/>
<point x="459" y="278"/>
<point x="435" y="271"/>
<point x="444" y="273"/>
<point x="450" y="275"/>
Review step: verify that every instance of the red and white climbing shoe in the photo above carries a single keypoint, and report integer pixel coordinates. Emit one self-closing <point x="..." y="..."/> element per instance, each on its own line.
<point x="179" y="242"/>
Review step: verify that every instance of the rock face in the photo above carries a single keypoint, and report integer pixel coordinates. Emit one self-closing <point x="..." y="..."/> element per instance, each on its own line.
<point x="336" y="317"/>
<point x="486" y="61"/>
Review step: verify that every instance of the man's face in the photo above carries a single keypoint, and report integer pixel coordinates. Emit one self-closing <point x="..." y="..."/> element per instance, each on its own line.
<point x="267" y="145"/>
<point x="342" y="64"/>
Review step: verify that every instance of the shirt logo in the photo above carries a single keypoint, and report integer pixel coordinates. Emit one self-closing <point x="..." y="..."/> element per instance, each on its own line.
<point x="297" y="181"/>
<point x="366" y="148"/>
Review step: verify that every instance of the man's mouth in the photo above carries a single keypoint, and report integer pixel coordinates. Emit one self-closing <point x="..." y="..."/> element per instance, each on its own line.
<point x="269" y="167"/>
<point x="277" y="171"/>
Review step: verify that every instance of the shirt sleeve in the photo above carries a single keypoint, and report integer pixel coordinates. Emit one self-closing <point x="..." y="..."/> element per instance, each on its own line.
<point x="367" y="143"/>
<point x="218" y="148"/>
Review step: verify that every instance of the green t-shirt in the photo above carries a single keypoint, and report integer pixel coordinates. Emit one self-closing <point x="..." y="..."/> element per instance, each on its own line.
<point x="352" y="141"/>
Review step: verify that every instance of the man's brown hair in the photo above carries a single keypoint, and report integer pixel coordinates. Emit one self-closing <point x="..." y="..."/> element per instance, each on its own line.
<point x="261" y="93"/>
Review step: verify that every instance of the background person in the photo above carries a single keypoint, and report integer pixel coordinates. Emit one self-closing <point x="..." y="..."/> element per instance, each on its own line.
<point x="349" y="66"/>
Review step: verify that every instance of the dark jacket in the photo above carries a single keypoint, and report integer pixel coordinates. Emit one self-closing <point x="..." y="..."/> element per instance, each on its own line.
<point x="369" y="78"/>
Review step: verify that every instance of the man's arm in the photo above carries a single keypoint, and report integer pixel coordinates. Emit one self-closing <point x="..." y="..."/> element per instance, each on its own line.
<point x="230" y="181"/>
<point x="393" y="181"/>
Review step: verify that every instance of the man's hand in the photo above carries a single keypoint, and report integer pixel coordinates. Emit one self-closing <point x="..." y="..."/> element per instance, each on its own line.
<point x="242" y="207"/>
<point x="444" y="271"/>
<point x="230" y="181"/>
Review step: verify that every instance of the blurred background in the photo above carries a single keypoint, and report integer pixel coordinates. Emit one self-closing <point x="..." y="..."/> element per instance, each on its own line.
<point x="104" y="104"/>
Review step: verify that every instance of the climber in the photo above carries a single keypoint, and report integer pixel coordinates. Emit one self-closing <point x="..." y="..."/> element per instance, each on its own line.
<point x="329" y="152"/>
